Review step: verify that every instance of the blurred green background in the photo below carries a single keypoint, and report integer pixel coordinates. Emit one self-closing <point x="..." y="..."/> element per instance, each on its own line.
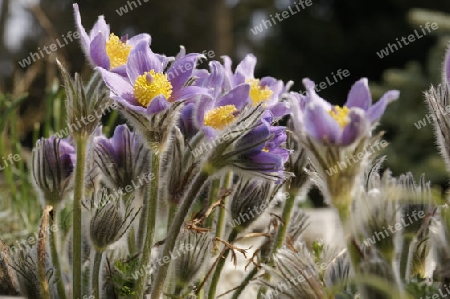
<point x="320" y="39"/>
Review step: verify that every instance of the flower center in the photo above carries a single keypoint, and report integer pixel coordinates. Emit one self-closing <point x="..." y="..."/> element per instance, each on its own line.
<point x="258" y="94"/>
<point x="220" y="117"/>
<point x="150" y="85"/>
<point x="117" y="51"/>
<point x="340" y="114"/>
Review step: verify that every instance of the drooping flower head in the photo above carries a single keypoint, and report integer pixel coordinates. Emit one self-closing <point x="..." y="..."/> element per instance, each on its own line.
<point x="105" y="49"/>
<point x="337" y="138"/>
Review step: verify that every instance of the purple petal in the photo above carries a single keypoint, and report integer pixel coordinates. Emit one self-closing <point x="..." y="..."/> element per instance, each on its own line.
<point x="216" y="79"/>
<point x="141" y="60"/>
<point x="188" y="93"/>
<point x="85" y="40"/>
<point x="254" y="141"/>
<point x="279" y="136"/>
<point x="228" y="72"/>
<point x="118" y="85"/>
<point x="118" y="142"/>
<point x="121" y="70"/>
<point x="138" y="38"/>
<point x="377" y="110"/>
<point x="203" y="105"/>
<point x="320" y="125"/>
<point x="245" y="69"/>
<point x="354" y="128"/>
<point x="157" y="104"/>
<point x="98" y="52"/>
<point x="267" y="161"/>
<point x="239" y="97"/>
<point x="100" y="28"/>
<point x="280" y="109"/>
<point x="180" y="71"/>
<point x="359" y="95"/>
<point x="312" y="96"/>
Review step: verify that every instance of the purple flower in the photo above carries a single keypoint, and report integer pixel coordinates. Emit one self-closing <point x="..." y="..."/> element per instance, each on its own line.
<point x="105" y="49"/>
<point x="341" y="126"/>
<point x="266" y="90"/>
<point x="146" y="87"/>
<point x="259" y="150"/>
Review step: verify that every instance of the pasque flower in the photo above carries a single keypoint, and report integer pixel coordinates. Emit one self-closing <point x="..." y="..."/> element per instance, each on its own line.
<point x="105" y="49"/>
<point x="266" y="90"/>
<point x="147" y="94"/>
<point x="332" y="134"/>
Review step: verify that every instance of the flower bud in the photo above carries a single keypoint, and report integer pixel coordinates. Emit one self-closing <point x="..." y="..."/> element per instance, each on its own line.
<point x="52" y="168"/>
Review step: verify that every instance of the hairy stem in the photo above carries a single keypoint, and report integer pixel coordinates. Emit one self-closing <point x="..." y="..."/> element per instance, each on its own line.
<point x="177" y="223"/>
<point x="96" y="273"/>
<point x="220" y="265"/>
<point x="55" y="259"/>
<point x="81" y="142"/>
<point x="150" y="229"/>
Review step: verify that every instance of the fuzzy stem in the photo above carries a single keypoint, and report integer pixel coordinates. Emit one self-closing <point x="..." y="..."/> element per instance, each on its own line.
<point x="176" y="227"/>
<point x="171" y="214"/>
<point x="222" y="211"/>
<point x="213" y="195"/>
<point x="220" y="265"/>
<point x="55" y="260"/>
<point x="286" y="216"/>
<point x="143" y="220"/>
<point x="245" y="283"/>
<point x="96" y="273"/>
<point x="81" y="142"/>
<point x="150" y="230"/>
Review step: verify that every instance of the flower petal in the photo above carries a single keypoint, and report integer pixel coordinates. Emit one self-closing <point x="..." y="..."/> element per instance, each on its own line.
<point x="245" y="69"/>
<point x="138" y="38"/>
<point x="141" y="60"/>
<point x="157" y="104"/>
<point x="320" y="125"/>
<point x="98" y="52"/>
<point x="118" y="85"/>
<point x="100" y="27"/>
<point x="188" y="93"/>
<point x="359" y="95"/>
<point x="180" y="71"/>
<point x="85" y="40"/>
<point x="239" y="97"/>
<point x="377" y="110"/>
<point x="355" y="128"/>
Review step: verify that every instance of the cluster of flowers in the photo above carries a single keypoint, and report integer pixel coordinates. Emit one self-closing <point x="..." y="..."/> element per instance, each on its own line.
<point x="172" y="113"/>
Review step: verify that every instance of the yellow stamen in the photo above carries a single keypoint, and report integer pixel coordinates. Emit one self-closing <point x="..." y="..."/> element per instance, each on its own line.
<point x="258" y="94"/>
<point x="340" y="114"/>
<point x="220" y="117"/>
<point x="265" y="150"/>
<point x="151" y="84"/>
<point x="117" y="51"/>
